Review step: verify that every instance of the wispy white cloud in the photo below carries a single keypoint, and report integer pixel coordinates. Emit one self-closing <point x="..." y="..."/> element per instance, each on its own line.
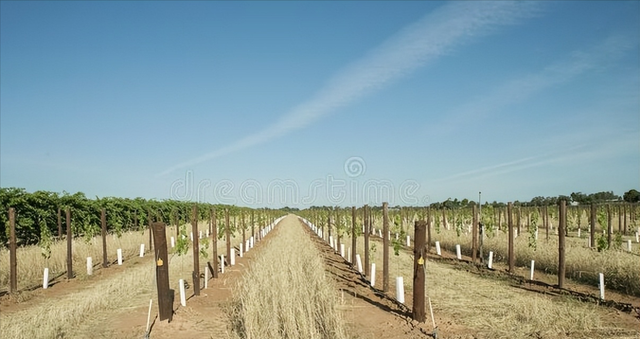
<point x="519" y="90"/>
<point x="435" y="35"/>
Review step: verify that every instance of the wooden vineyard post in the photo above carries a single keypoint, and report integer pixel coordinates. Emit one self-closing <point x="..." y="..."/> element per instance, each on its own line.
<point x="624" y="218"/>
<point x="253" y="232"/>
<point x="512" y="259"/>
<point x="69" y="238"/>
<point x="419" y="258"/>
<point x="13" y="261"/>
<point x="609" y="226"/>
<point x="367" y="231"/>
<point x="385" y="247"/>
<point x="592" y="222"/>
<point x="474" y="234"/>
<point x="329" y="227"/>
<point x="428" y="230"/>
<point x="545" y="221"/>
<point x="165" y="295"/>
<point x="444" y="219"/>
<point x="619" y="218"/>
<point x="226" y="233"/>
<point x="103" y="223"/>
<point x="244" y="236"/>
<point x="59" y="223"/>
<point x="214" y="235"/>
<point x="196" y="251"/>
<point x="562" y="224"/>
<point x="338" y="222"/>
<point x="353" y="235"/>
<point x="150" y="237"/>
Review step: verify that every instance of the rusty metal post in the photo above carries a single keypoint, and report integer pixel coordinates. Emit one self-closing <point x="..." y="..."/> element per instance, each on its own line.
<point x="419" y="259"/>
<point x="13" y="260"/>
<point x="165" y="295"/>
<point x="562" y="225"/>
<point x="385" y="247"/>
<point x="69" y="238"/>
<point x="512" y="259"/>
<point x="103" y="223"/>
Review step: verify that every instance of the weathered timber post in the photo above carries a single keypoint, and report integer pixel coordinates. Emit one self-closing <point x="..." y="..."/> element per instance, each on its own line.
<point x="609" y="226"/>
<point x="367" y="232"/>
<point x="428" y="230"/>
<point x="385" y="247"/>
<point x="562" y="224"/>
<point x="624" y="218"/>
<point x="619" y="218"/>
<point x="150" y="236"/>
<point x="253" y="232"/>
<point x="196" y="252"/>
<point x="512" y="259"/>
<point x="69" y="252"/>
<point x="103" y="222"/>
<point x="474" y="236"/>
<point x="13" y="260"/>
<point x="165" y="295"/>
<point x="59" y="223"/>
<point x="545" y="220"/>
<point x="419" y="259"/>
<point x="353" y="235"/>
<point x="214" y="235"/>
<point x="592" y="230"/>
<point x="226" y="233"/>
<point x="244" y="236"/>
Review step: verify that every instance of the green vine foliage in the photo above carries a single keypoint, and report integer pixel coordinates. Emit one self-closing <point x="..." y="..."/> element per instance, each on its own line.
<point x="459" y="223"/>
<point x="204" y="247"/>
<point x="46" y="240"/>
<point x="436" y="223"/>
<point x="182" y="243"/>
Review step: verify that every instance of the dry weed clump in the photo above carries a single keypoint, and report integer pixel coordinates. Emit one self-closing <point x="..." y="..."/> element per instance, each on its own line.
<point x="285" y="292"/>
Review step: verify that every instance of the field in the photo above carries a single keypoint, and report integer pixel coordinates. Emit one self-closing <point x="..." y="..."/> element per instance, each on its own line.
<point x="292" y="284"/>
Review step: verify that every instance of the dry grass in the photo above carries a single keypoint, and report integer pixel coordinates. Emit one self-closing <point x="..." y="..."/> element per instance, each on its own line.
<point x="76" y="314"/>
<point x="55" y="318"/>
<point x="285" y="293"/>
<point x="31" y="263"/>
<point x="495" y="309"/>
<point x="583" y="264"/>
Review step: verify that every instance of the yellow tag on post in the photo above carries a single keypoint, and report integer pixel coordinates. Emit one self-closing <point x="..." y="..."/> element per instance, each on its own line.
<point x="420" y="261"/>
<point x="160" y="263"/>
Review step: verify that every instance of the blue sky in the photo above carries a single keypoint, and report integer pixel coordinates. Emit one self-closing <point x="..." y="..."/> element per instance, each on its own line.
<point x="320" y="103"/>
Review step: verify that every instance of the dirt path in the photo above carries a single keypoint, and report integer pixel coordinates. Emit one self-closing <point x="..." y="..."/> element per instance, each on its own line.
<point x="369" y="312"/>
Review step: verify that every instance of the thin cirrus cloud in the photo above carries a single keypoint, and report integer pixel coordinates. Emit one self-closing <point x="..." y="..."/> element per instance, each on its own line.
<point x="520" y="89"/>
<point x="433" y="36"/>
